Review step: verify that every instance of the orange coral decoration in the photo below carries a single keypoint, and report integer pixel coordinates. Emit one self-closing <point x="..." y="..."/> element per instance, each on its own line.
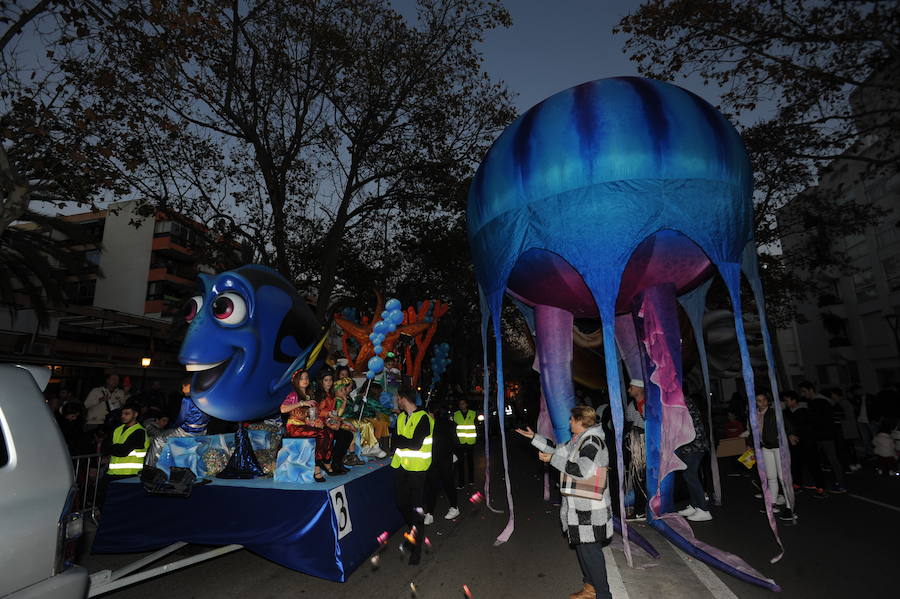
<point x="423" y="339"/>
<point x="361" y="332"/>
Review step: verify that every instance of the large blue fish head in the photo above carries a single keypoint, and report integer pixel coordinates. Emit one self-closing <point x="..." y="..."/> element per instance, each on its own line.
<point x="249" y="329"/>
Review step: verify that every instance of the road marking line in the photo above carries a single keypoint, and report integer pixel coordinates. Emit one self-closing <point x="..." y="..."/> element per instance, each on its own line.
<point x="614" y="576"/>
<point x="713" y="584"/>
<point x="885" y="505"/>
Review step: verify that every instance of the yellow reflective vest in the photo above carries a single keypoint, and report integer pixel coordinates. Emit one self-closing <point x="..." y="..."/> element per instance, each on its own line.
<point x="413" y="460"/>
<point x="134" y="461"/>
<point x="465" y="427"/>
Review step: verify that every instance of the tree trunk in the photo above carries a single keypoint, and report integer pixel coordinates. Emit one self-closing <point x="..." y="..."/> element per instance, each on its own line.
<point x="329" y="268"/>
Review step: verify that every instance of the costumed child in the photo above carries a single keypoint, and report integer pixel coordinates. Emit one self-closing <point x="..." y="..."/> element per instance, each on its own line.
<point x="342" y="406"/>
<point x="303" y="422"/>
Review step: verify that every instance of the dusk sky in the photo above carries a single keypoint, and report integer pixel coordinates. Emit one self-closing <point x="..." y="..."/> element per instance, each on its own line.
<point x="553" y="45"/>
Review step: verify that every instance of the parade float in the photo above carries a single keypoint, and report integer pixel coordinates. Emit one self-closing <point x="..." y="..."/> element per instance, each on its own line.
<point x="249" y="330"/>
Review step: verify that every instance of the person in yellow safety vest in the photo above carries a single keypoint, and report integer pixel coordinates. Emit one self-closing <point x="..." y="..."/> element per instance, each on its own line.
<point x="129" y="445"/>
<point x="466" y="435"/>
<point x="412" y="443"/>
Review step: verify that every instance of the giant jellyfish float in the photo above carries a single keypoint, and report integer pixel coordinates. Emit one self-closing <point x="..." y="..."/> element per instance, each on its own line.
<point x="619" y="199"/>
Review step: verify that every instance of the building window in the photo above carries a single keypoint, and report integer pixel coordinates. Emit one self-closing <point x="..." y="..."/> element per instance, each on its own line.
<point x="892" y="272"/>
<point x="162" y="227"/>
<point x="831" y="295"/>
<point x="864" y="286"/>
<point x="81" y="293"/>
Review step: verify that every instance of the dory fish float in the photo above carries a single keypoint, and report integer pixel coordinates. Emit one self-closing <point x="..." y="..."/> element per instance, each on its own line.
<point x="249" y="330"/>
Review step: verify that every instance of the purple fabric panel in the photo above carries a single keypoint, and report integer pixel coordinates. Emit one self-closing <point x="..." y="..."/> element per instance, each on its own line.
<point x="544" y="277"/>
<point x="751" y="271"/>
<point x="665" y="257"/>
<point x="663" y="346"/>
<point x="681" y="527"/>
<point x="554" y="350"/>
<point x="627" y="342"/>
<point x="694" y="304"/>
<point x="731" y="274"/>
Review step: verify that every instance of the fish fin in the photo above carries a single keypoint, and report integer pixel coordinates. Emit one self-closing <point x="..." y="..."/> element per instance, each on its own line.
<point x="304" y="359"/>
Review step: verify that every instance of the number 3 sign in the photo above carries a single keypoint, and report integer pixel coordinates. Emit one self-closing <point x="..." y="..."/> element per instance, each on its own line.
<point x="341" y="511"/>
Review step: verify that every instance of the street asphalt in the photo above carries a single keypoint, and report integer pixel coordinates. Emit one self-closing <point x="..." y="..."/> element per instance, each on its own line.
<point x="842" y="546"/>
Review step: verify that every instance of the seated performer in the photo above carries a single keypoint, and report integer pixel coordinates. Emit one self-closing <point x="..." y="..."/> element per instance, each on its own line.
<point x="303" y="423"/>
<point x="343" y="412"/>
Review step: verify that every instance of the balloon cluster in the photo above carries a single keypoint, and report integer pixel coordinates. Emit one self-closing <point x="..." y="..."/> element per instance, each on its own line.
<point x="391" y="318"/>
<point x="439" y="362"/>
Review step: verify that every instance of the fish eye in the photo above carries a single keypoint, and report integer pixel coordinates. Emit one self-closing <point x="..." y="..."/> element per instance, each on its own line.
<point x="192" y="308"/>
<point x="230" y="308"/>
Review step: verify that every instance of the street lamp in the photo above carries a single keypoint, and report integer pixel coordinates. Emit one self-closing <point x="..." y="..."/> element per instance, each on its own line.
<point x="145" y="364"/>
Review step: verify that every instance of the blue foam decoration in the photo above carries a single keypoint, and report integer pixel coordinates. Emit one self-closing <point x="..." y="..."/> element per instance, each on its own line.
<point x="296" y="461"/>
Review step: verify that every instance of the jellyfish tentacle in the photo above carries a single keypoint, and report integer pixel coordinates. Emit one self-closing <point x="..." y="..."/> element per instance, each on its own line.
<point x="694" y="304"/>
<point x="751" y="272"/>
<point x="554" y="349"/>
<point x="731" y="274"/>
<point x="486" y="389"/>
<point x="496" y="307"/>
<point x="604" y="286"/>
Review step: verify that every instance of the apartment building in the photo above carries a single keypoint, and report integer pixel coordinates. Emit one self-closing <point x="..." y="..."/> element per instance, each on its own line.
<point x="115" y="322"/>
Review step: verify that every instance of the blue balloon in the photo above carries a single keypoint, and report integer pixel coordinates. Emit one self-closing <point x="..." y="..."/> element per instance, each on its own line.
<point x="373" y="336"/>
<point x="385" y="314"/>
<point x="376" y="364"/>
<point x="393" y="304"/>
<point x="370" y="375"/>
<point x="396" y="317"/>
<point x="378" y="350"/>
<point x="391" y="328"/>
<point x="381" y="327"/>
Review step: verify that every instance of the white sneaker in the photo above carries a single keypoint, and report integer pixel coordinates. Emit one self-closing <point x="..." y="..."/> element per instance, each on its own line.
<point x="429" y="519"/>
<point x="700" y="516"/>
<point x="687" y="511"/>
<point x="452" y="513"/>
<point x="779" y="500"/>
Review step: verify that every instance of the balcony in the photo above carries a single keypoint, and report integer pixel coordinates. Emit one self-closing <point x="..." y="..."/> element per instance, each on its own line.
<point x="177" y="276"/>
<point x="170" y="247"/>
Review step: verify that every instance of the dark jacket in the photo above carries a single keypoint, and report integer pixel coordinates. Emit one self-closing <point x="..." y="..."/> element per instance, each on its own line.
<point x="700" y="443"/>
<point x="822" y="418"/>
<point x="444" y="441"/>
<point x="770" y="438"/>
<point x="801" y="423"/>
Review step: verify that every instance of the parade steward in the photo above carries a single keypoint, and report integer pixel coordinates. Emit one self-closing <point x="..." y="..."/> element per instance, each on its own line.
<point x="466" y="436"/>
<point x="412" y="444"/>
<point x="585" y="512"/>
<point x="129" y="444"/>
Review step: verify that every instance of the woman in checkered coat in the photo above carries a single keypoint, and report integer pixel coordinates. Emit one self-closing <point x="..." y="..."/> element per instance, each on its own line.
<point x="585" y="511"/>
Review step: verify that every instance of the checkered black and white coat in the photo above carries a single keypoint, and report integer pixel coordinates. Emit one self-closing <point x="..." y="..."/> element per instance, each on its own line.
<point x="583" y="520"/>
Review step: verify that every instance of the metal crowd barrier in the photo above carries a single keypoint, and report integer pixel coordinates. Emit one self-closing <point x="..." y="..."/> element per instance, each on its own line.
<point x="88" y="470"/>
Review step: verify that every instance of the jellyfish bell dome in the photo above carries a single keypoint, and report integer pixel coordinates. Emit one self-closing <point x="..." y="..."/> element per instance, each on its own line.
<point x="624" y="181"/>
